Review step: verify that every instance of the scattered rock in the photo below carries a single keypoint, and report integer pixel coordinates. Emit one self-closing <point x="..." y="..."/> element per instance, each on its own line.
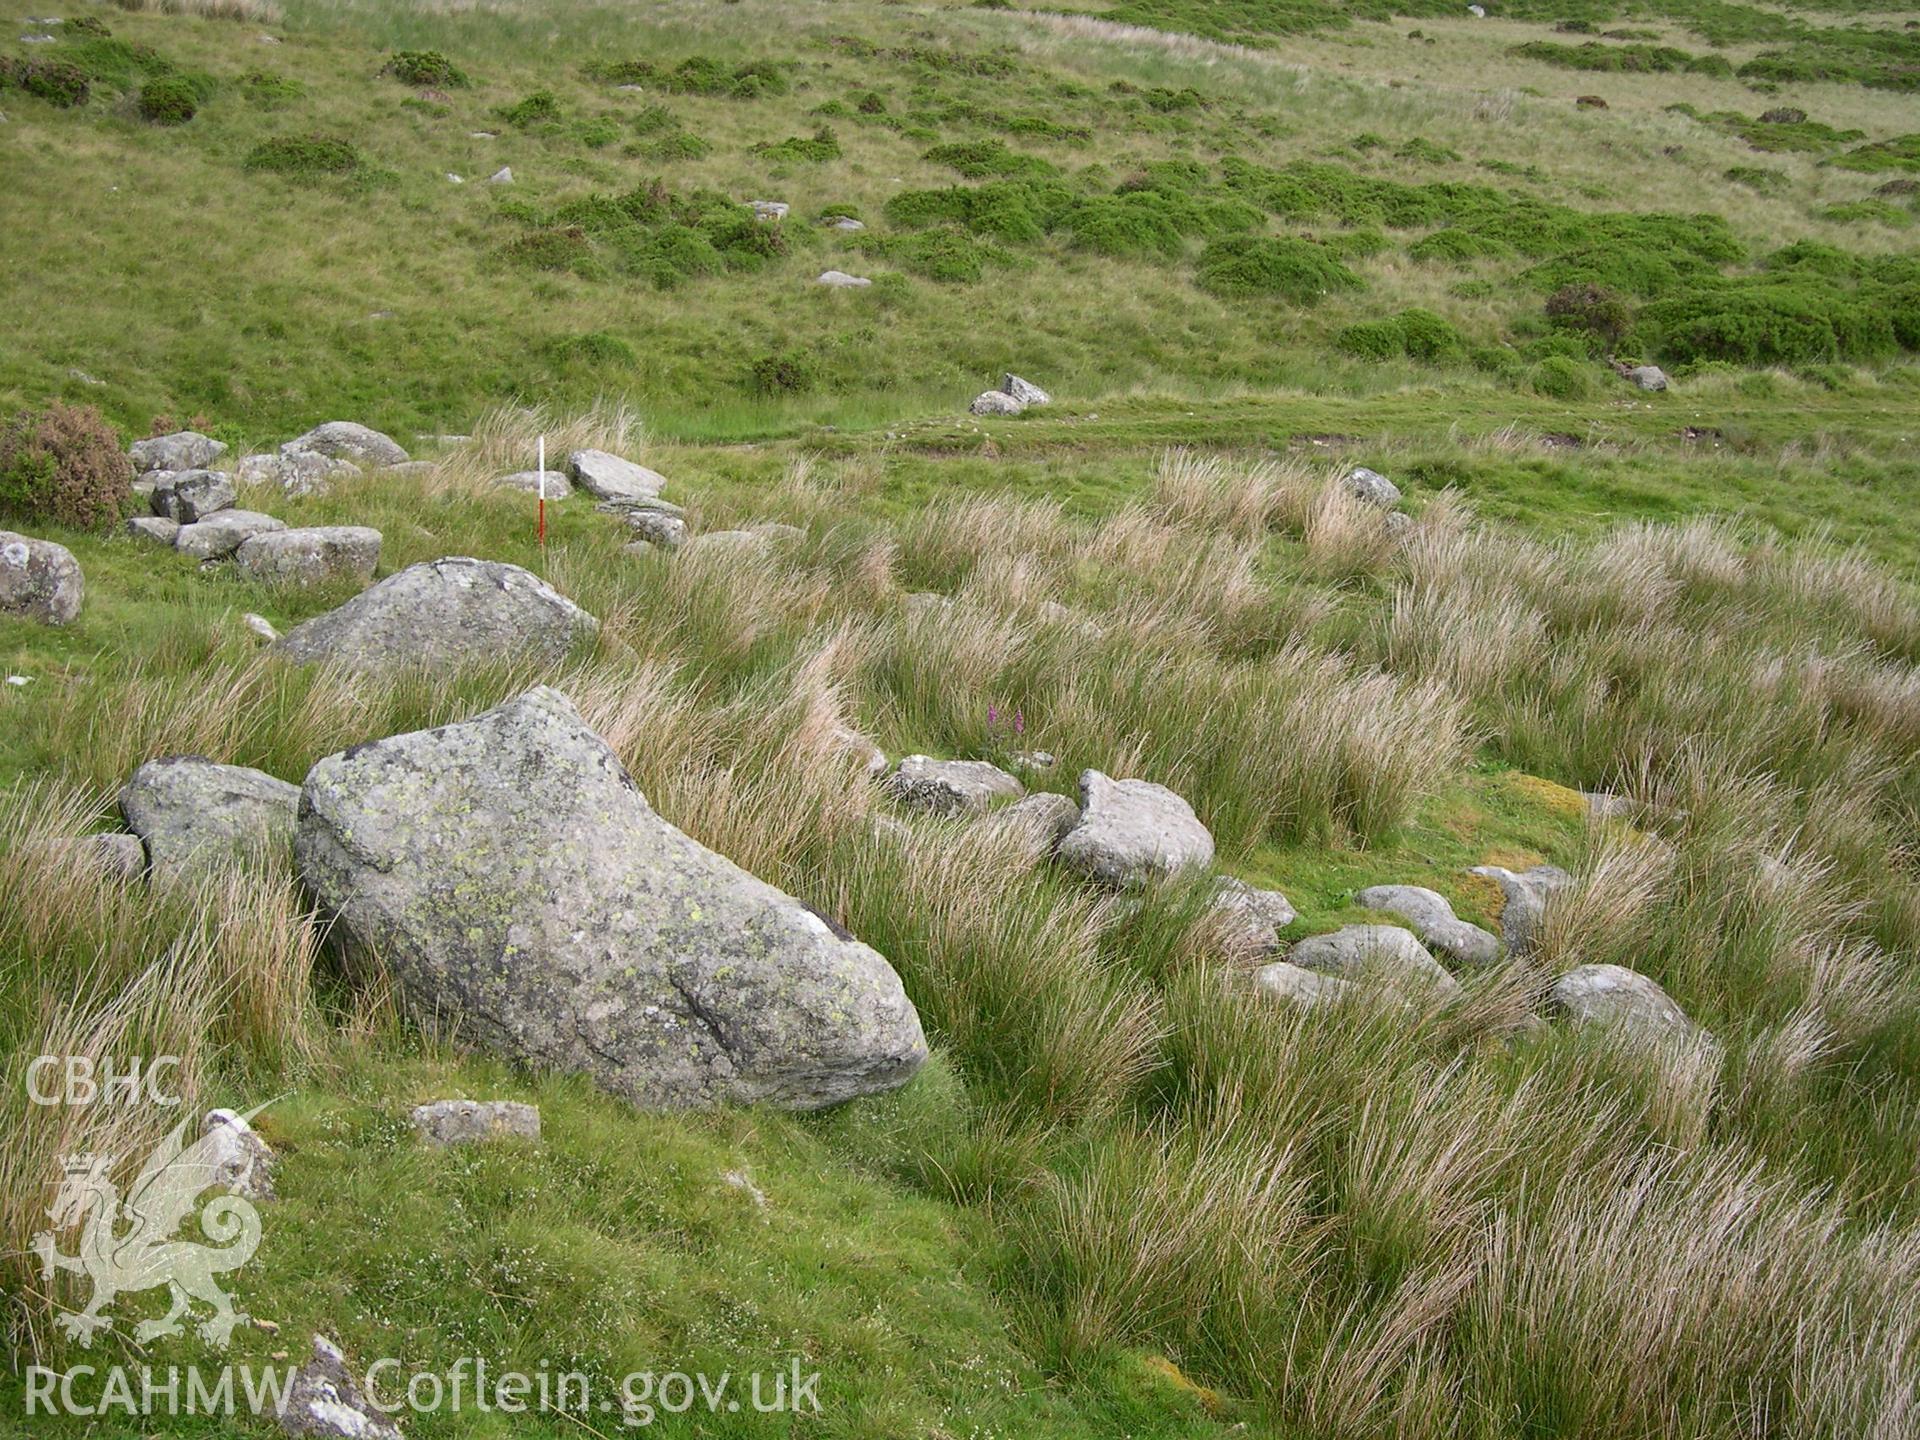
<point x="1044" y="817"/>
<point x="1433" y="920"/>
<point x="1527" y="893"/>
<point x="926" y="602"/>
<point x="1305" y="988"/>
<point x="413" y="469"/>
<point x="39" y="580"/>
<point x="1622" y="999"/>
<point x="1253" y="918"/>
<point x="607" y="941"/>
<point x="1133" y="830"/>
<point x="1602" y="807"/>
<point x="843" y="222"/>
<point x="324" y="1401"/>
<point x="154" y="529"/>
<point x="242" y="1162"/>
<point x="119" y="857"/>
<point x="951" y="787"/>
<point x="462" y="1122"/>
<point x="1384" y="950"/>
<point x="608" y="477"/>
<point x="191" y="812"/>
<point x="302" y="472"/>
<point x="312" y="555"/>
<point x="529" y="481"/>
<point x="871" y="755"/>
<point x="1648" y="377"/>
<point x="260" y="627"/>
<point x="1477" y="11"/>
<point x="995" y="402"/>
<point x="769" y="209"/>
<point x="656" y="530"/>
<point x="444" y="614"/>
<point x="220" y="534"/>
<point x="1025" y="391"/>
<point x="502" y="176"/>
<point x="453" y="179"/>
<point x="839" y="279"/>
<point x="191" y="495"/>
<point x="1372" y="487"/>
<point x="1589" y="102"/>
<point x="182" y="450"/>
<point x="346" y="440"/>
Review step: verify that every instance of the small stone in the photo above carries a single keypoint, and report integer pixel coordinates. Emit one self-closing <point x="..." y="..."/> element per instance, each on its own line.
<point x="1025" y="391"/>
<point x="840" y="280"/>
<point x="1620" y="999"/>
<point x="324" y="1401"/>
<point x="770" y="210"/>
<point x="312" y="555"/>
<point x="1372" y="487"/>
<point x="502" y="176"/>
<point x="260" y="626"/>
<point x="1356" y="951"/>
<point x="1648" y="377"/>
<point x="219" y="535"/>
<point x="531" y="481"/>
<point x="153" y="529"/>
<point x="608" y="477"/>
<point x="843" y="222"/>
<point x="1432" y="918"/>
<point x="1252" y="919"/>
<point x="655" y="530"/>
<point x="453" y="179"/>
<point x="1304" y="988"/>
<point x="182" y="450"/>
<point x="191" y="812"/>
<point x="1527" y="893"/>
<point x="119" y="857"/>
<point x="995" y="402"/>
<point x="242" y="1163"/>
<point x="951" y="787"/>
<point x="1131" y="831"/>
<point x="463" y="1122"/>
<point x="191" y="495"/>
<point x="348" y="440"/>
<point x="1045" y="818"/>
<point x="871" y="755"/>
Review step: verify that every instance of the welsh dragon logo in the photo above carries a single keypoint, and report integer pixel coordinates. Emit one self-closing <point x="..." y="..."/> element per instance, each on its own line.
<point x="145" y="1255"/>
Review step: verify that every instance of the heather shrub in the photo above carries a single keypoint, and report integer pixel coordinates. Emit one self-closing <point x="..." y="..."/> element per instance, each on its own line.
<point x="1589" y="309"/>
<point x="428" y="68"/>
<point x="1296" y="270"/>
<point x="64" y="465"/>
<point x="169" y="100"/>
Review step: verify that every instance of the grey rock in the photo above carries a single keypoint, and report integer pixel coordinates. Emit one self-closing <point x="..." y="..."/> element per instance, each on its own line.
<point x="182" y="450"/>
<point x="511" y="878"/>
<point x="769" y="209"/>
<point x="222" y="533"/>
<point x="1386" y="951"/>
<point x="628" y="505"/>
<point x="1252" y="919"/>
<point x="1131" y="831"/>
<point x="39" y="580"/>
<point x="872" y="757"/>
<point x="464" y="1122"/>
<point x="311" y="555"/>
<point x="1620" y="999"/>
<point x="608" y="477"/>
<point x="529" y="482"/>
<point x="927" y="602"/>
<point x="444" y="614"/>
<point x="951" y="787"/>
<point x="192" y="813"/>
<point x="1432" y="918"/>
<point x="324" y="1401"/>
<point x="1527" y="893"/>
<point x="1648" y="377"/>
<point x="154" y="529"/>
<point x="300" y="472"/>
<point x="413" y="469"/>
<point x="1305" y="988"/>
<point x="841" y="280"/>
<point x="1372" y="487"/>
<point x="1043" y="817"/>
<point x="656" y="530"/>
<point x="843" y="222"/>
<point x="995" y="402"/>
<point x="1602" y="806"/>
<point x="346" y="440"/>
<point x="242" y="1162"/>
<point x="119" y="857"/>
<point x="502" y="176"/>
<point x="260" y="627"/>
<point x="192" y="495"/>
<point x="1025" y="391"/>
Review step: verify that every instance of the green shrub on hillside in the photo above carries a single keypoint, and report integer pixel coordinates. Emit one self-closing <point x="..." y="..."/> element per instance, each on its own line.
<point x="1561" y="377"/>
<point x="783" y="372"/>
<point x="1641" y="59"/>
<point x="1296" y="270"/>
<point x="169" y="100"/>
<point x="268" y="90"/>
<point x="674" y="145"/>
<point x="979" y="159"/>
<point x="1457" y="247"/>
<point x="596" y="348"/>
<point x="58" y="82"/>
<point x="542" y="107"/>
<point x="949" y="256"/>
<point x="649" y="232"/>
<point x="306" y="157"/>
<point x="1794" y="318"/>
<point x="428" y="68"/>
<point x="1900" y="153"/>
<point x="697" y="75"/>
<point x="64" y="466"/>
<point x="1757" y="178"/>
<point x="1415" y="334"/>
<point x="823" y="145"/>
<point x="1588" y="309"/>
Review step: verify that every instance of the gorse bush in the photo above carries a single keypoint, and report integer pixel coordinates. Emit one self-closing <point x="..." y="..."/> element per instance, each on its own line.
<point x="58" y="82"/>
<point x="307" y="157"/>
<point x="649" y="232"/>
<point x="698" y="75"/>
<point x="816" y="149"/>
<point x="169" y="100"/>
<point x="427" y="68"/>
<point x="1414" y="334"/>
<point x="542" y="107"/>
<point x="1590" y="309"/>
<point x="64" y="465"/>
<point x="1296" y="270"/>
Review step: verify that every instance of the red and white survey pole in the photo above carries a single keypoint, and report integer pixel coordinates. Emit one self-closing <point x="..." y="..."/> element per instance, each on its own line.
<point x="542" y="534"/>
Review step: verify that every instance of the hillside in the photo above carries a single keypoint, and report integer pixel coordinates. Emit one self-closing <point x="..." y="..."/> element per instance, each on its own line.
<point x="1476" y="453"/>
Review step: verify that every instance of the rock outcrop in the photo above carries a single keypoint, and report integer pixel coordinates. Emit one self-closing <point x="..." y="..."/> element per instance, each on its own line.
<point x="1131" y="831"/>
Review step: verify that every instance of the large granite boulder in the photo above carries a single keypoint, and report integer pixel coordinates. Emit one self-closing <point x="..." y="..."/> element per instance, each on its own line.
<point x="1385" y="952"/>
<point x="1302" y="987"/>
<point x="951" y="787"/>
<point x="153" y="530"/>
<point x="444" y="614"/>
<point x="1527" y="893"/>
<point x="1621" y="1000"/>
<point x="1025" y="391"/>
<point x="298" y="472"/>
<point x="513" y="880"/>
<point x="192" y="813"/>
<point x="608" y="477"/>
<point x="1432" y="918"/>
<point x="223" y="532"/>
<point x="1131" y="831"/>
<point x="312" y="555"/>
<point x="345" y="440"/>
<point x="182" y="450"/>
<point x="995" y="402"/>
<point x="189" y="495"/>
<point x="39" y="580"/>
<point x="1372" y="487"/>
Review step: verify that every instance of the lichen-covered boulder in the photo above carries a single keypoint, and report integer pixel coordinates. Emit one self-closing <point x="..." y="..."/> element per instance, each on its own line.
<point x="1043" y="818"/>
<point x="951" y="787"/>
<point x="1385" y="952"/>
<point x="1251" y="920"/>
<point x="223" y="532"/>
<point x="1527" y="893"/>
<point x="608" y="477"/>
<point x="190" y="495"/>
<point x="1305" y="988"/>
<point x="1432" y="918"/>
<point x="192" y="813"/>
<point x="346" y="440"/>
<point x="467" y="1122"/>
<point x="1372" y="487"/>
<point x="444" y="614"/>
<point x="39" y="580"/>
<point x="513" y="880"/>
<point x="182" y="450"/>
<point x="1648" y="377"/>
<point x="995" y="402"/>
<point x="298" y="472"/>
<point x="325" y="1402"/>
<point x="153" y="530"/>
<point x="1620" y="999"/>
<point x="311" y="555"/>
<point x="1131" y="831"/>
<point x="1025" y="391"/>
<point x="531" y="482"/>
